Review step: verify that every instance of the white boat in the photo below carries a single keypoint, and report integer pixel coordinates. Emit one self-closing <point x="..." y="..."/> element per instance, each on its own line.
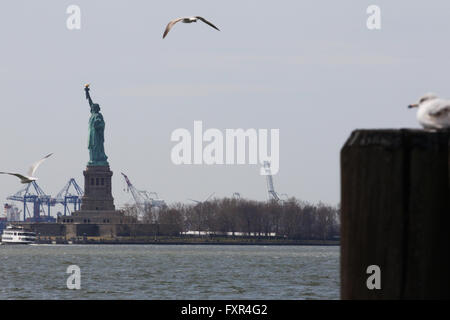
<point x="17" y="235"/>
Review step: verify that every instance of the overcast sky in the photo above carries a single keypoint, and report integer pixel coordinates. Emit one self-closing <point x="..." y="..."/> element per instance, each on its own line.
<point x="309" y="68"/>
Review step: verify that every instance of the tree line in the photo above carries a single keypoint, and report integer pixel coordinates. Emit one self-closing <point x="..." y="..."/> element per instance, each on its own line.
<point x="291" y="219"/>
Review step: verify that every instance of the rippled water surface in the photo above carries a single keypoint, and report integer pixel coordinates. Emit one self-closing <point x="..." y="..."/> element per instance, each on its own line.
<point x="170" y="272"/>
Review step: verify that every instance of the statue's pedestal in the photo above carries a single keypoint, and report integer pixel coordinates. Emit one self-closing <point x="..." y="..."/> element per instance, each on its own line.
<point x="97" y="189"/>
<point x="97" y="203"/>
<point x="89" y="216"/>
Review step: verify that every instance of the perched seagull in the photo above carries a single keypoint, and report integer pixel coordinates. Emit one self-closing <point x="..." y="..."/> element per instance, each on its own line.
<point x="186" y="20"/>
<point x="31" y="171"/>
<point x="433" y="112"/>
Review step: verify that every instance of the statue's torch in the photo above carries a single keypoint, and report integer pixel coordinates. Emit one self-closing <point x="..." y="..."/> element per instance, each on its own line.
<point x="86" y="88"/>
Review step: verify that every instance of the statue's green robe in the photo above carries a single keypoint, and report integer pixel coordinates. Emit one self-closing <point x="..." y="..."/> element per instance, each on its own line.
<point x="96" y="140"/>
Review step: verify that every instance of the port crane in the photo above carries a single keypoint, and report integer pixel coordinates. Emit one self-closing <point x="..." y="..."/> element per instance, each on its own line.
<point x="32" y="193"/>
<point x="269" y="180"/>
<point x="236" y="196"/>
<point x="144" y="200"/>
<point x="273" y="195"/>
<point x="66" y="197"/>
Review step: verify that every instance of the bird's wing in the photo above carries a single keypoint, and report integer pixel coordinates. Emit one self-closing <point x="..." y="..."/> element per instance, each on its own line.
<point x="18" y="175"/>
<point x="170" y="25"/>
<point x="207" y="22"/>
<point x="440" y="108"/>
<point x="36" y="165"/>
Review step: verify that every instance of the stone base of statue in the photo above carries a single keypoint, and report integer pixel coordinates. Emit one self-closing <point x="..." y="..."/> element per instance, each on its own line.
<point x="96" y="217"/>
<point x="97" y="203"/>
<point x="97" y="189"/>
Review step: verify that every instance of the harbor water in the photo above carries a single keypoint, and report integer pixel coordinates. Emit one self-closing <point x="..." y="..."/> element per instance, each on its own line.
<point x="170" y="272"/>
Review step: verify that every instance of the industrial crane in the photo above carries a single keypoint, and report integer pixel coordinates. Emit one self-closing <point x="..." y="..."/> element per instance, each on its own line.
<point x="271" y="190"/>
<point x="237" y="196"/>
<point x="143" y="199"/>
<point x="153" y="199"/>
<point x="273" y="195"/>
<point x="65" y="197"/>
<point x="34" y="194"/>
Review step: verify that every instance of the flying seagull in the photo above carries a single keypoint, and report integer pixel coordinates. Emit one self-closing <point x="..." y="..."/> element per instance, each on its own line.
<point x="186" y="20"/>
<point x="433" y="112"/>
<point x="29" y="178"/>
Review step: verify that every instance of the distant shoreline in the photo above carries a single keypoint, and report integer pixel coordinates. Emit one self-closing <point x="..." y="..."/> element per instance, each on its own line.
<point x="197" y="241"/>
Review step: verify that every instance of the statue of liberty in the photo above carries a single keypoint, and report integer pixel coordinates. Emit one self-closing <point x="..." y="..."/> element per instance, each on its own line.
<point x="97" y="156"/>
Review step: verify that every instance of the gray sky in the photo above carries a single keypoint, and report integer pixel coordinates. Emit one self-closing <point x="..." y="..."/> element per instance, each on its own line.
<point x="309" y="68"/>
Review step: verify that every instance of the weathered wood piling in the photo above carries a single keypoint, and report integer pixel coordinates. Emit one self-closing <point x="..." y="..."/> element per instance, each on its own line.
<point x="395" y="202"/>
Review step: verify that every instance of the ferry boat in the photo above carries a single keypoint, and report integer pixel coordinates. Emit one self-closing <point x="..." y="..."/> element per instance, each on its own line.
<point x="17" y="235"/>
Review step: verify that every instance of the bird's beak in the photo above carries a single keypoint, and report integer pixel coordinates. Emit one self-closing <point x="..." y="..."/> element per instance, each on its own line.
<point x="415" y="105"/>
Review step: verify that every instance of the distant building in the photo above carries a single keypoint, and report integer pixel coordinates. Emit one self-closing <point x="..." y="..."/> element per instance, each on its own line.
<point x="11" y="212"/>
<point x="3" y="224"/>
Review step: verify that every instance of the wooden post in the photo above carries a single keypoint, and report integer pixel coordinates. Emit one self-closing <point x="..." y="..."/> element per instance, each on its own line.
<point x="395" y="202"/>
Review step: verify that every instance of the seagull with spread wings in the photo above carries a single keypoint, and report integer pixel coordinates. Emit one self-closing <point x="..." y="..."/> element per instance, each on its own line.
<point x="29" y="178"/>
<point x="187" y="20"/>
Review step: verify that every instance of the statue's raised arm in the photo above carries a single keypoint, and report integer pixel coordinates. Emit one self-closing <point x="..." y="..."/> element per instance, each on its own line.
<point x="88" y="96"/>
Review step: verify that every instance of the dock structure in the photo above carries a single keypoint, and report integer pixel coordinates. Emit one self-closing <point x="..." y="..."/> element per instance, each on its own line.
<point x="32" y="193"/>
<point x="395" y="202"/>
<point x="66" y="197"/>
